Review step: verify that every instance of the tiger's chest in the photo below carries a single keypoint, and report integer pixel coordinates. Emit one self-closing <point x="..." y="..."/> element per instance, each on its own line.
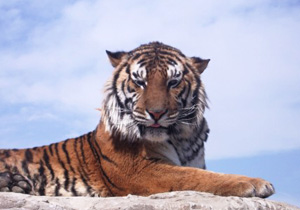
<point x="181" y="153"/>
<point x="187" y="154"/>
<point x="186" y="148"/>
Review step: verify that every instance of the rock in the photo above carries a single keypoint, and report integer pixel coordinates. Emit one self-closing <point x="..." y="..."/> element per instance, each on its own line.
<point x="173" y="200"/>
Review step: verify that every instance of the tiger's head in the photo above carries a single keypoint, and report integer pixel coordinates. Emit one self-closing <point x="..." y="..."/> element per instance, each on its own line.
<point x="155" y="92"/>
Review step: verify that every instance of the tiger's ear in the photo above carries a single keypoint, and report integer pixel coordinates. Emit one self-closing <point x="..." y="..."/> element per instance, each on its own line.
<point x="200" y="63"/>
<point x="115" y="58"/>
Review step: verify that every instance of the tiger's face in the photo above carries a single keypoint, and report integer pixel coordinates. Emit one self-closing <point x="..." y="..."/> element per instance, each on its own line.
<point x="155" y="90"/>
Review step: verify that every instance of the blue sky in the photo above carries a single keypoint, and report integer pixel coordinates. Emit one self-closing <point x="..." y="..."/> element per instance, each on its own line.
<point x="53" y="68"/>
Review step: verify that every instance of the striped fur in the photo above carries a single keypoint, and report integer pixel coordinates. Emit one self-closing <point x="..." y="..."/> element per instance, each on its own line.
<point x="150" y="138"/>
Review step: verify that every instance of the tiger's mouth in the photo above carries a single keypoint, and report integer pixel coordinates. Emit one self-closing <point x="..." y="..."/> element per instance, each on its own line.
<point x="154" y="128"/>
<point x="155" y="125"/>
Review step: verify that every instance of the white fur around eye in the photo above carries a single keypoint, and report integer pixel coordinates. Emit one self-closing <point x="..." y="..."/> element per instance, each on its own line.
<point x="174" y="76"/>
<point x="174" y="72"/>
<point x="139" y="75"/>
<point x="138" y="72"/>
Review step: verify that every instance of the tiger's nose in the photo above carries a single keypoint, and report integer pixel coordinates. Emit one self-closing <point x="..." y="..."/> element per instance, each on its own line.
<point x="156" y="114"/>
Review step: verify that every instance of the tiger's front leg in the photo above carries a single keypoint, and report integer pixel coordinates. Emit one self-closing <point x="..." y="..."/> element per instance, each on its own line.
<point x="157" y="178"/>
<point x="185" y="178"/>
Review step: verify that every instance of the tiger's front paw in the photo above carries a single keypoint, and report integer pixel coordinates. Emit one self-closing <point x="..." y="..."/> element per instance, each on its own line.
<point x="246" y="187"/>
<point x="14" y="183"/>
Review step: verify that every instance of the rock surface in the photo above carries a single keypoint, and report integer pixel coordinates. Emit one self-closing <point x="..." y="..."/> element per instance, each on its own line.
<point x="173" y="200"/>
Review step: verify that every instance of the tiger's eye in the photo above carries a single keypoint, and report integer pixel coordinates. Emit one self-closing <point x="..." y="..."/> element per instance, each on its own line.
<point x="140" y="83"/>
<point x="173" y="83"/>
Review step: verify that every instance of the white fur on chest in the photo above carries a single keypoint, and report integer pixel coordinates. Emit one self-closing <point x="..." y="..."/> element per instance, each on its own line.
<point x="168" y="152"/>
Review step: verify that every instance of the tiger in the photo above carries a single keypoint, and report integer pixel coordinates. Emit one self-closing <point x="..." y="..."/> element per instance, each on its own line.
<point x="150" y="138"/>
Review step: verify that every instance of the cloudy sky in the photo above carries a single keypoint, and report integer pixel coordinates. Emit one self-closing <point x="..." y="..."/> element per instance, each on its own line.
<point x="53" y="67"/>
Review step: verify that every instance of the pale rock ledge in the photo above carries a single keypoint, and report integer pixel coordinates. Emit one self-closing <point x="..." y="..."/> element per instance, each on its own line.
<point x="174" y="200"/>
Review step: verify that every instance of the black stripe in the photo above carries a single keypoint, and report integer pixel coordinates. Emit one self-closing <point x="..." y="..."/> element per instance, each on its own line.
<point x="66" y="172"/>
<point x="185" y="70"/>
<point x="46" y="160"/>
<point x="141" y="61"/>
<point x="142" y="129"/>
<point x="135" y="75"/>
<point x="67" y="155"/>
<point x="80" y="167"/>
<point x="184" y="100"/>
<point x="88" y="187"/>
<point x="198" y="84"/>
<point x="129" y="89"/>
<point x="82" y="151"/>
<point x="189" y="117"/>
<point x="73" y="190"/>
<point x="127" y="101"/>
<point x="128" y="69"/>
<point x="139" y="118"/>
<point x="172" y="61"/>
<point x="28" y="155"/>
<point x="123" y="87"/>
<point x="162" y="52"/>
<point x="115" y="91"/>
<point x="43" y="179"/>
<point x="25" y="169"/>
<point x="102" y="155"/>
<point x="196" y="91"/>
<point x="142" y="64"/>
<point x="181" y="92"/>
<point x="136" y="56"/>
<point x="50" y="149"/>
<point x="195" y="96"/>
<point x="123" y="91"/>
<point x="65" y="151"/>
<point x="57" y="187"/>
<point x="96" y="155"/>
<point x="189" y="89"/>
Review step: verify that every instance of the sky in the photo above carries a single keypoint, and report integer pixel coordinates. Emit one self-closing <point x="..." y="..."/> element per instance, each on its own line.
<point x="53" y="69"/>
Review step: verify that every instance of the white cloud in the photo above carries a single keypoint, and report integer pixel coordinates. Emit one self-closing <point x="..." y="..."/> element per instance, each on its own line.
<point x="58" y="59"/>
